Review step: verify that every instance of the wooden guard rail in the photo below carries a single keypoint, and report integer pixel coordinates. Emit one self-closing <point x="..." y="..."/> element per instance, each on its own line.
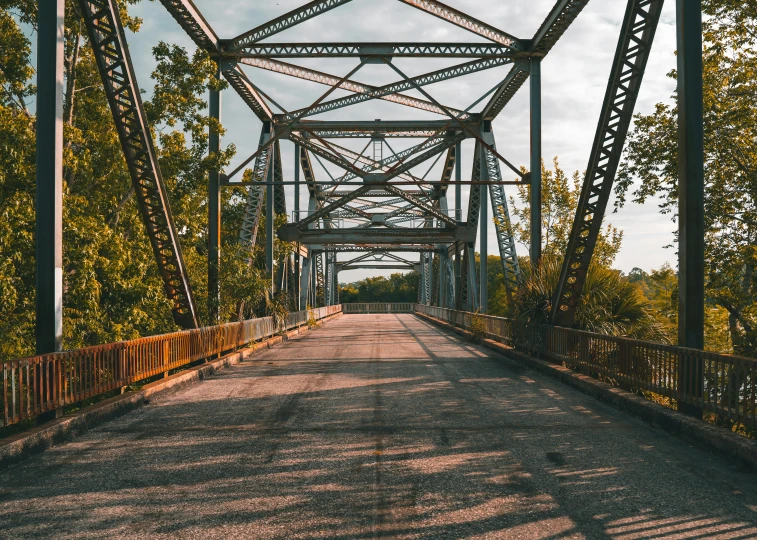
<point x="378" y="307"/>
<point x="725" y="388"/>
<point x="35" y="385"/>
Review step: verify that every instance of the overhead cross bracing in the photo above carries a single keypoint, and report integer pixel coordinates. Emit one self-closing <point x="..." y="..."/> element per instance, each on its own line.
<point x="379" y="185"/>
<point x="386" y="183"/>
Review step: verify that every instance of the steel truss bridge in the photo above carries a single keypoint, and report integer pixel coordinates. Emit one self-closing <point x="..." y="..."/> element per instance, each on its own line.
<point x="380" y="212"/>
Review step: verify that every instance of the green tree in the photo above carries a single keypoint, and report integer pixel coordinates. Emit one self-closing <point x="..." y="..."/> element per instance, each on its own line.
<point x="559" y="203"/>
<point x="730" y="127"/>
<point x="396" y="288"/>
<point x="112" y="290"/>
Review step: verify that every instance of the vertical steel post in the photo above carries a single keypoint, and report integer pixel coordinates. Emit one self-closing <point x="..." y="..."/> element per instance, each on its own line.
<point x="297" y="258"/>
<point x="483" y="281"/>
<point x="458" y="300"/>
<point x="690" y="197"/>
<point x="458" y="185"/>
<point x="535" y="162"/>
<point x="214" y="211"/>
<point x="49" y="197"/>
<point x="296" y="182"/>
<point x="270" y="218"/>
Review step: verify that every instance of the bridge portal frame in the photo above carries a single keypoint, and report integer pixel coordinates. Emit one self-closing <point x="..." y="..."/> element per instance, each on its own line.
<point x="525" y="57"/>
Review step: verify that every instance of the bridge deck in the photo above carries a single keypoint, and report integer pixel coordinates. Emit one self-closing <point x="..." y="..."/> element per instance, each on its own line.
<point x="377" y="425"/>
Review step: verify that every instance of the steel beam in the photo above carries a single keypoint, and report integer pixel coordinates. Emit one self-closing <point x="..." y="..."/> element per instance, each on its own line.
<point x="269" y="220"/>
<point x="327" y="237"/>
<point x="214" y="211"/>
<point x="483" y="282"/>
<point x="320" y="77"/>
<point x="463" y="20"/>
<point x="242" y="85"/>
<point x="193" y="23"/>
<point x="691" y="225"/>
<point x="375" y="50"/>
<point x="49" y="195"/>
<point x="535" y="191"/>
<point x="400" y="86"/>
<point x="502" y="223"/>
<point x="255" y="196"/>
<point x="634" y="45"/>
<point x="557" y="22"/>
<point x="279" y="24"/>
<point x="106" y="36"/>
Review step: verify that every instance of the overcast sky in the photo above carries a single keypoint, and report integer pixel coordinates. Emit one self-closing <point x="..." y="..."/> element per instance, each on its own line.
<point x="574" y="79"/>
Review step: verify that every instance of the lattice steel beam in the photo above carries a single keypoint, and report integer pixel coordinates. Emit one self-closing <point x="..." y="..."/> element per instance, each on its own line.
<point x="279" y="24"/>
<point x="193" y="23"/>
<point x="398" y="236"/>
<point x="106" y="36"/>
<point x="502" y="224"/>
<point x="557" y="22"/>
<point x="368" y="50"/>
<point x="634" y="45"/>
<point x="239" y="82"/>
<point x="400" y="86"/>
<point x="554" y="26"/>
<point x="463" y="20"/>
<point x="255" y="196"/>
<point x="320" y="77"/>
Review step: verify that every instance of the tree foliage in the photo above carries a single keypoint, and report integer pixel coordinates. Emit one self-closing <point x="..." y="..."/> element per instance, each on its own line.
<point x="730" y="127"/>
<point x="396" y="288"/>
<point x="112" y="290"/>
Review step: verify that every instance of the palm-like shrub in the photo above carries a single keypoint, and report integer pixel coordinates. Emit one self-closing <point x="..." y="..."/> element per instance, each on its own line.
<point x="610" y="304"/>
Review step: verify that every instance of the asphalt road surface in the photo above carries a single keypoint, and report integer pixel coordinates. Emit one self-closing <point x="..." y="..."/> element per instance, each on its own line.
<point x="377" y="426"/>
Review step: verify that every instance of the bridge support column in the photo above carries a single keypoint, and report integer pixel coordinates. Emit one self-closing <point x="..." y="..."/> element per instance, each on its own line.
<point x="214" y="211"/>
<point x="270" y="219"/>
<point x="49" y="197"/>
<point x="297" y="258"/>
<point x="535" y="163"/>
<point x="305" y="282"/>
<point x="484" y="236"/>
<point x="458" y="279"/>
<point x="690" y="198"/>
<point x="458" y="179"/>
<point x="472" y="281"/>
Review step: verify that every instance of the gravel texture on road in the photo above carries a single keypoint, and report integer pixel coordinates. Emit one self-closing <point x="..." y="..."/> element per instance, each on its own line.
<point x="377" y="426"/>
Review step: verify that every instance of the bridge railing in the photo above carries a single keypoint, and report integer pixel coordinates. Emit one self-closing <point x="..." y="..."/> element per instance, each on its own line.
<point x="35" y="385"/>
<point x="730" y="382"/>
<point x="378" y="307"/>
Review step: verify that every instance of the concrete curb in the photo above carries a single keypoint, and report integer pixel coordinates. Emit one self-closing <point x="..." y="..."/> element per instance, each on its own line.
<point x="36" y="440"/>
<point x="698" y="432"/>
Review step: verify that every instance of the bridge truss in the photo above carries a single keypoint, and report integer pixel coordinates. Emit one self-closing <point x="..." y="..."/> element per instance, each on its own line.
<point x="381" y="210"/>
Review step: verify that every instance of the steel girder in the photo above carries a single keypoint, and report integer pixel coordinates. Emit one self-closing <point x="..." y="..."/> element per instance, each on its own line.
<point x="397" y="236"/>
<point x="368" y="163"/>
<point x="193" y="23"/>
<point x="332" y="80"/>
<point x="502" y="224"/>
<point x="279" y="24"/>
<point x="634" y="45"/>
<point x="411" y="133"/>
<point x="367" y="50"/>
<point x="109" y="46"/>
<point x="449" y="169"/>
<point x="399" y="86"/>
<point x="279" y="197"/>
<point x="381" y="128"/>
<point x="463" y="20"/>
<point x="307" y="171"/>
<point x="559" y="20"/>
<point x="320" y="279"/>
<point x="255" y="197"/>
<point x="242" y="85"/>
